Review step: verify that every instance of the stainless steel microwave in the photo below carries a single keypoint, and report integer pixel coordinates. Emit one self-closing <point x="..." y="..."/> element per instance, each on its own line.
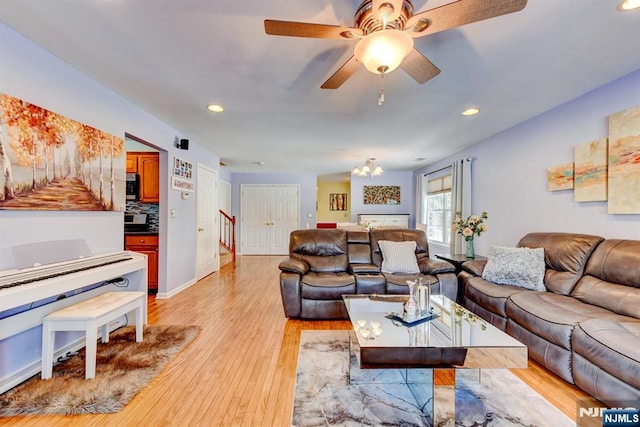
<point x="133" y="186"/>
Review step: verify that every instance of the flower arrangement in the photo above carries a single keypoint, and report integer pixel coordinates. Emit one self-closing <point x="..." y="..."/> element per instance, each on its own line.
<point x="472" y="226"/>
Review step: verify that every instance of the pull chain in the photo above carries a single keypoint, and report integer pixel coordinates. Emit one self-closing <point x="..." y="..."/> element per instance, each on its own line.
<point x="381" y="93"/>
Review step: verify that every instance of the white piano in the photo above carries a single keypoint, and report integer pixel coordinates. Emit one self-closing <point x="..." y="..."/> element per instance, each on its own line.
<point x="27" y="294"/>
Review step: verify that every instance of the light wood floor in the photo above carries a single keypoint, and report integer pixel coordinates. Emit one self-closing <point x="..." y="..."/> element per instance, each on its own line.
<point x="240" y="370"/>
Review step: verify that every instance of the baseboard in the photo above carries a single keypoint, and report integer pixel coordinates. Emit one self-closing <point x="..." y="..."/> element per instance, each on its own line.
<point x="29" y="371"/>
<point x="167" y="295"/>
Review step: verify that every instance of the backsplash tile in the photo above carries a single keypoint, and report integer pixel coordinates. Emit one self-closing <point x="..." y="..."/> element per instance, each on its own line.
<point x="151" y="209"/>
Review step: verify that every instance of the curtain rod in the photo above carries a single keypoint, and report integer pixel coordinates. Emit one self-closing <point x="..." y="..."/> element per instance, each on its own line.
<point x="468" y="159"/>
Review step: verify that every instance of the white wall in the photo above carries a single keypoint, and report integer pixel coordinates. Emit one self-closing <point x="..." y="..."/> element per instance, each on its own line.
<point x="407" y="195"/>
<point x="34" y="75"/>
<point x="509" y="170"/>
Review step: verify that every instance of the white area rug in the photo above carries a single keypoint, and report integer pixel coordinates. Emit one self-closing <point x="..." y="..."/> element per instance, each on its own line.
<point x="323" y="396"/>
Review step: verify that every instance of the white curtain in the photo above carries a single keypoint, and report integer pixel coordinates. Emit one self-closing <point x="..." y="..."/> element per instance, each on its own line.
<point x="421" y="202"/>
<point x="460" y="199"/>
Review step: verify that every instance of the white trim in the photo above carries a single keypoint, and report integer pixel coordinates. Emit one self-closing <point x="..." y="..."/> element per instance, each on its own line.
<point x="167" y="295"/>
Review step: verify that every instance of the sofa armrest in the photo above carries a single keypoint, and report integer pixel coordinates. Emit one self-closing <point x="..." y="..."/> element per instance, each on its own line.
<point x="474" y="267"/>
<point x="435" y="266"/>
<point x="364" y="269"/>
<point x="290" y="293"/>
<point x="293" y="265"/>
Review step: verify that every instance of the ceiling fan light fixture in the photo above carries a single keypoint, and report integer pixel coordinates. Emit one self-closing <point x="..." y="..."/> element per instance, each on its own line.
<point x="628" y="5"/>
<point x="382" y="51"/>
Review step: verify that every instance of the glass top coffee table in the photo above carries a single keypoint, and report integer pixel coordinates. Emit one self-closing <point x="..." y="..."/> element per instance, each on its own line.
<point x="448" y="336"/>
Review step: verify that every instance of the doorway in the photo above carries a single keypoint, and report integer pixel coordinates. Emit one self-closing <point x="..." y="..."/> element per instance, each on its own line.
<point x="143" y="162"/>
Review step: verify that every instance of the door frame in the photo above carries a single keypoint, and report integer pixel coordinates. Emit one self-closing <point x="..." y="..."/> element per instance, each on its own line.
<point x="214" y="196"/>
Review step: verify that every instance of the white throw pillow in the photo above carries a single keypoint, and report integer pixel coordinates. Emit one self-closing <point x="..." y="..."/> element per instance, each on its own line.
<point x="523" y="267"/>
<point x="399" y="257"/>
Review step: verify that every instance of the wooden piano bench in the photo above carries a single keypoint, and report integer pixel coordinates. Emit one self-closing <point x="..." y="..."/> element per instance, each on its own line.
<point x="88" y="316"/>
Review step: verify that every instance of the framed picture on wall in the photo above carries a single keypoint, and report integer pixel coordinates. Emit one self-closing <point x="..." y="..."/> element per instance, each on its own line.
<point x="338" y="201"/>
<point x="381" y="194"/>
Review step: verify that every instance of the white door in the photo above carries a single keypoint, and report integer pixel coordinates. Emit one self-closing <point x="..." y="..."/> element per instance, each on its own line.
<point x="285" y="218"/>
<point x="207" y="234"/>
<point x="268" y="215"/>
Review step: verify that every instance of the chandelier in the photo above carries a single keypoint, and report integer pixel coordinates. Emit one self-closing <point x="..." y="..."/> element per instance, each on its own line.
<point x="369" y="168"/>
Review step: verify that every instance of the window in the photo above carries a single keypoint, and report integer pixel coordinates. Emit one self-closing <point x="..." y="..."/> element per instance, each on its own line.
<point x="439" y="209"/>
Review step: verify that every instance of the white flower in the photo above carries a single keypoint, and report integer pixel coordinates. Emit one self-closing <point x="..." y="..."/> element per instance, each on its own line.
<point x="472" y="225"/>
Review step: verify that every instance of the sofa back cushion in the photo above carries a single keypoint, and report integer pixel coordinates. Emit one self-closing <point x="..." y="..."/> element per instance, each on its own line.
<point x="565" y="256"/>
<point x="612" y="278"/>
<point x="359" y="247"/>
<point x="325" y="250"/>
<point x="398" y="235"/>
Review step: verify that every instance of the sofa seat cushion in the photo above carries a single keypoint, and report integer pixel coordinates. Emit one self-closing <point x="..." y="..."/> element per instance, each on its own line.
<point x="551" y="316"/>
<point x="400" y="279"/>
<point x="327" y="286"/>
<point x="611" y="344"/>
<point x="488" y="295"/>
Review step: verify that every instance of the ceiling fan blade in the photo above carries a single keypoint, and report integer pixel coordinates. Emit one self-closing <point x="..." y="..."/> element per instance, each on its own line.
<point x="460" y="12"/>
<point x="343" y="73"/>
<point x="419" y="67"/>
<point x="388" y="13"/>
<point x="302" y="29"/>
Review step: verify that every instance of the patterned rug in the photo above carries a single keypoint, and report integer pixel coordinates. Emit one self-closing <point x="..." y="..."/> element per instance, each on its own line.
<point x="323" y="397"/>
<point x="123" y="368"/>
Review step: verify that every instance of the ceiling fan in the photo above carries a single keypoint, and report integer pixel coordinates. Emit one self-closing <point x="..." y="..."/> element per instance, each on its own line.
<point x="385" y="30"/>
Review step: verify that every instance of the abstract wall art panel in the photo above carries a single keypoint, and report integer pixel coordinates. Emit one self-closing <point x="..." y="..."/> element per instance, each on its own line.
<point x="51" y="162"/>
<point x="624" y="162"/>
<point x="560" y="177"/>
<point x="381" y="194"/>
<point x="590" y="174"/>
<point x="338" y="201"/>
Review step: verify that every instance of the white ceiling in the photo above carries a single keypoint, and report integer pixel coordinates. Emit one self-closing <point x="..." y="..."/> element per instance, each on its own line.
<point x="173" y="57"/>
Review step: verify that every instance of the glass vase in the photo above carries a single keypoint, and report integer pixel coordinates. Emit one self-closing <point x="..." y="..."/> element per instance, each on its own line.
<point x="470" y="252"/>
<point x="410" y="306"/>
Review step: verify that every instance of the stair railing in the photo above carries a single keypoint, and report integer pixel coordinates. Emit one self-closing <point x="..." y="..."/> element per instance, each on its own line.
<point x="228" y="233"/>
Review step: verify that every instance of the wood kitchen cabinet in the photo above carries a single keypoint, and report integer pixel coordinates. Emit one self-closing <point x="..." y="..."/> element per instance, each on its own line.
<point x="132" y="164"/>
<point x="147" y="165"/>
<point x="149" y="168"/>
<point x="146" y="244"/>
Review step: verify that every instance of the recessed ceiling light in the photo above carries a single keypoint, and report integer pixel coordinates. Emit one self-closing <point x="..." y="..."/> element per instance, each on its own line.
<point x="628" y="5"/>
<point x="470" y="112"/>
<point x="215" y="108"/>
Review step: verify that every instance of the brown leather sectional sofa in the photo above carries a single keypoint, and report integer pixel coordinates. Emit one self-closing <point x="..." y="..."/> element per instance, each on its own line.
<point x="325" y="264"/>
<point x="586" y="326"/>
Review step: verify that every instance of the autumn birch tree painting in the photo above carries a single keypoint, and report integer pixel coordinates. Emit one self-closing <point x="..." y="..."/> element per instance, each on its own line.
<point x="50" y="162"/>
